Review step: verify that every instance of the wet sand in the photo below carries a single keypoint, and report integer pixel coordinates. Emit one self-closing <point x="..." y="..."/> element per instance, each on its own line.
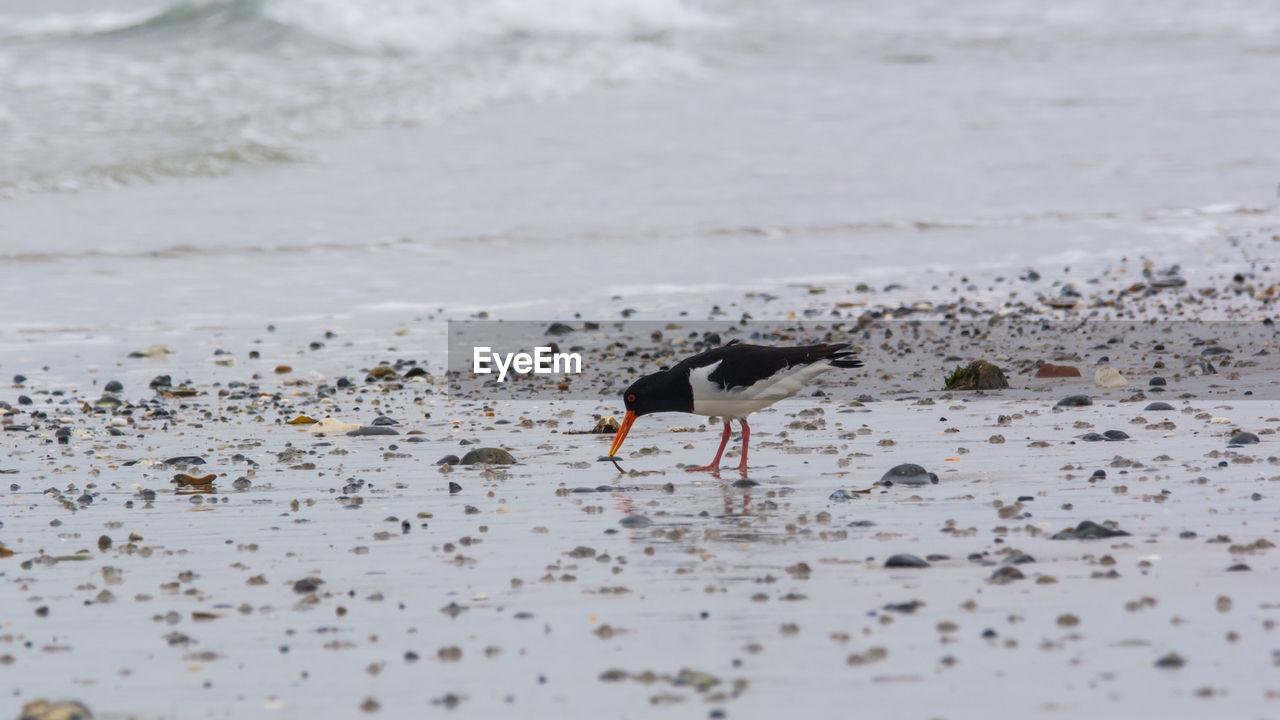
<point x="325" y="575"/>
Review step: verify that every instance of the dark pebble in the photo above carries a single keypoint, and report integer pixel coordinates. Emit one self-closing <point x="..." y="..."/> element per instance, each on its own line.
<point x="19" y="379"/>
<point x="372" y="430"/>
<point x="1239" y="567"/>
<point x="908" y="474"/>
<point x="1075" y="401"/>
<point x="454" y="488"/>
<point x="1091" y="437"/>
<point x="25" y="400"/>
<point x="488" y="456"/>
<point x="242" y="483"/>
<point x="1244" y="438"/>
<point x="745" y="483"/>
<point x="1018" y="559"/>
<point x="1089" y="530"/>
<point x="113" y="386"/>
<point x="839" y="496"/>
<point x="862" y="523"/>
<point x="384" y="420"/>
<point x="1172" y="661"/>
<point x="448" y="460"/>
<point x="559" y="329"/>
<point x="1157" y="381"/>
<point x="185" y="460"/>
<point x="1160" y="405"/>
<point x="1215" y="350"/>
<point x="1114" y="435"/>
<point x="160" y="381"/>
<point x="905" y="561"/>
<point x="306" y="585"/>
<point x="635" y="521"/>
<point x="1099" y="474"/>
<point x="1006" y="574"/>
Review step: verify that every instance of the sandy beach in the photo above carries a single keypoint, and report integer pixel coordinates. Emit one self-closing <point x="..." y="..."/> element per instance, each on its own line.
<point x="249" y="247"/>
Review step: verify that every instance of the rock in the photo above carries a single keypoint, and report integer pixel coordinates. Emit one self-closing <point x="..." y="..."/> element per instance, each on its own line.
<point x="1114" y="435"/>
<point x="1099" y="474"/>
<point x="1202" y="367"/>
<point x="1109" y="377"/>
<point x="1214" y="350"/>
<point x="558" y="329"/>
<point x="242" y="483"/>
<point x="908" y="474"/>
<point x="840" y="496"/>
<point x="1157" y="381"/>
<point x="905" y="561"/>
<point x="1049" y="370"/>
<point x="307" y="584"/>
<point x="1091" y="437"/>
<point x="1005" y="575"/>
<point x="1159" y="405"/>
<point x="381" y="372"/>
<point x="1243" y="438"/>
<point x="1172" y="661"/>
<point x="332" y="425"/>
<point x="160" y="381"/>
<point x="744" y="483"/>
<point x="454" y="488"/>
<point x="113" y="386"/>
<point x="42" y="709"/>
<point x="382" y="420"/>
<point x="606" y="425"/>
<point x="635" y="521"/>
<point x="185" y="460"/>
<point x="372" y="430"/>
<point x="1075" y="401"/>
<point x="448" y="460"/>
<point x="977" y="375"/>
<point x="488" y="456"/>
<point x="1170" y="281"/>
<point x="1089" y="530"/>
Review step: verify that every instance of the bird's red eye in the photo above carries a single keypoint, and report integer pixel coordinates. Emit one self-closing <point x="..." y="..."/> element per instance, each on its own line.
<point x="631" y="397"/>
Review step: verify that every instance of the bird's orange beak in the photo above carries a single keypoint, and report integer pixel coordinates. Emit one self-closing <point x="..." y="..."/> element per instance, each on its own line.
<point x="622" y="433"/>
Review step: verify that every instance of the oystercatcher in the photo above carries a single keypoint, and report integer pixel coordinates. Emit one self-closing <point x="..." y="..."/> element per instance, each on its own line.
<point x="730" y="382"/>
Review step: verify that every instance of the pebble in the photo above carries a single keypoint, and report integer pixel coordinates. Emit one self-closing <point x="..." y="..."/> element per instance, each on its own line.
<point x="1157" y="381"/>
<point x="1089" y="530"/>
<point x="1108" y="377"/>
<point x="1049" y="370"/>
<point x="372" y="430"/>
<point x="635" y="521"/>
<point x="448" y="460"/>
<point x="840" y="496"/>
<point x="1172" y="661"/>
<point x="454" y="488"/>
<point x="113" y="386"/>
<point x="185" y="460"/>
<point x="745" y="483"/>
<point x="488" y="456"/>
<point x="905" y="561"/>
<point x="1158" y="405"/>
<point x="1114" y="435"/>
<point x="1243" y="438"/>
<point x="1075" y="401"/>
<point x="908" y="474"/>
<point x="384" y="420"/>
<point x="1006" y="574"/>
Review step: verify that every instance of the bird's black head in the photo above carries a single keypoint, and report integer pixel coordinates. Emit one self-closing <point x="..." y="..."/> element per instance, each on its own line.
<point x="659" y="392"/>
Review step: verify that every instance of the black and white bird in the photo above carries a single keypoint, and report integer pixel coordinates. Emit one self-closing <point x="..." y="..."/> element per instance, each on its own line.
<point x="730" y="382"/>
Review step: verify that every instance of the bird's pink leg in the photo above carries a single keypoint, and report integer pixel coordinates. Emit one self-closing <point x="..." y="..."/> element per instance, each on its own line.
<point x="715" y="464"/>
<point x="746" y="435"/>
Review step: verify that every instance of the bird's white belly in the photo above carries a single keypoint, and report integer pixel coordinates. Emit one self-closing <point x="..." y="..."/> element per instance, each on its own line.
<point x="710" y="399"/>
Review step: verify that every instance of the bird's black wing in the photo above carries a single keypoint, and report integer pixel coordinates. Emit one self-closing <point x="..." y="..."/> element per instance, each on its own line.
<point x="744" y="365"/>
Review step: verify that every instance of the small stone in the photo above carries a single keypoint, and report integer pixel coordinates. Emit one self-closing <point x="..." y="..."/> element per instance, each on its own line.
<point x="558" y="329"/>
<point x="1108" y="377"/>
<point x="185" y="460"/>
<point x="307" y="584"/>
<point x="905" y="561"/>
<point x="113" y="386"/>
<point x="1006" y="574"/>
<point x="1172" y="661"/>
<point x="1049" y="370"/>
<point x="1089" y="530"/>
<point x="1075" y="401"/>
<point x="488" y="456"/>
<point x="840" y="496"/>
<point x="977" y="375"/>
<point x="908" y="474"/>
<point x="1091" y="437"/>
<point x="1115" y="435"/>
<point x="1243" y="438"/>
<point x="454" y="488"/>
<point x="1158" y="405"/>
<point x="372" y="430"/>
<point x="448" y="460"/>
<point x="1157" y="381"/>
<point x="635" y="521"/>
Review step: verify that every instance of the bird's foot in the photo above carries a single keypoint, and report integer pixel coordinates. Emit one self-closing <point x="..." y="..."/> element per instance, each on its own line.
<point x="704" y="468"/>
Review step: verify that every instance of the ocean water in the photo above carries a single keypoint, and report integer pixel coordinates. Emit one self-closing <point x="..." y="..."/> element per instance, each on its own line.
<point x="237" y="162"/>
